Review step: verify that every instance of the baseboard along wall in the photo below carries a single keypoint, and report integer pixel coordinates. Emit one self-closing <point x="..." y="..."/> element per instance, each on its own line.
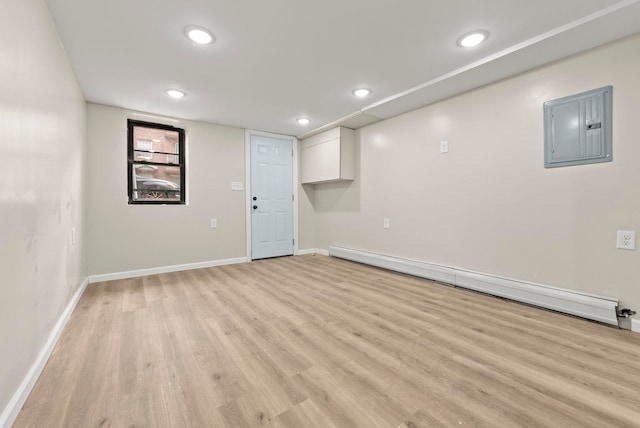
<point x="313" y="251"/>
<point x="10" y="413"/>
<point x="585" y="305"/>
<point x="164" y="269"/>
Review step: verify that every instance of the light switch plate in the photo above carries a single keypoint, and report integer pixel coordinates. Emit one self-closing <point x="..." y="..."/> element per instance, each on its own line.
<point x="214" y="223"/>
<point x="444" y="146"/>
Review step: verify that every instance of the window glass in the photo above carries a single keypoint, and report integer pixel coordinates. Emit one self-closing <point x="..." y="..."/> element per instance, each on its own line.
<point x="144" y="146"/>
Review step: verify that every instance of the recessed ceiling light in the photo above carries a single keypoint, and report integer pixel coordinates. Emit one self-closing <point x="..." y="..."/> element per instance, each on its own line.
<point x="174" y="93"/>
<point x="362" y="92"/>
<point x="303" y="121"/>
<point x="473" y="38"/>
<point x="199" y="35"/>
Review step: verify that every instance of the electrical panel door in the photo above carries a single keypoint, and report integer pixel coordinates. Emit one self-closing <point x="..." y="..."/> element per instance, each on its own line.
<point x="577" y="129"/>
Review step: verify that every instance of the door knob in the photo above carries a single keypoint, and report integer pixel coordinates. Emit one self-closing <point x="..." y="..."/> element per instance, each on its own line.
<point x="255" y="198"/>
<point x="255" y="207"/>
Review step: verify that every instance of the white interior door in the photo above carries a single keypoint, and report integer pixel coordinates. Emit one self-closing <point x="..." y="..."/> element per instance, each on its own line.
<point x="271" y="197"/>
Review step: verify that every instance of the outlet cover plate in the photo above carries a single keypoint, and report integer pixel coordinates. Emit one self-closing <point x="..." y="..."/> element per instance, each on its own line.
<point x="626" y="240"/>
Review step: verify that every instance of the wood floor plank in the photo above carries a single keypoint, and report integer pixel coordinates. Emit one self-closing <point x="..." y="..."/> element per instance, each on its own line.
<point x="305" y="414"/>
<point x="315" y="341"/>
<point x="338" y="403"/>
<point x="247" y="411"/>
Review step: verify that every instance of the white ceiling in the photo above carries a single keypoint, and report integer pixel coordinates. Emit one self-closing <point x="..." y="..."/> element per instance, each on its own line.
<point x="277" y="60"/>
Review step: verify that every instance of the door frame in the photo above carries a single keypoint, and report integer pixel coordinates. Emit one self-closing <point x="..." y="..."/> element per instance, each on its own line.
<point x="247" y="155"/>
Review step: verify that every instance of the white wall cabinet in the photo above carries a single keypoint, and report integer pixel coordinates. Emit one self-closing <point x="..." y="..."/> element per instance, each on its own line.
<point x="328" y="156"/>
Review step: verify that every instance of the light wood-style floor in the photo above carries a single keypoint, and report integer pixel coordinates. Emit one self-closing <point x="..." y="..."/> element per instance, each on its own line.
<point x="314" y="341"/>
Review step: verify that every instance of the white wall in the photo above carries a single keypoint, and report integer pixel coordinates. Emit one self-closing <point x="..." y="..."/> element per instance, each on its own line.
<point x="42" y="134"/>
<point x="123" y="238"/>
<point x="489" y="205"/>
<point x="306" y="212"/>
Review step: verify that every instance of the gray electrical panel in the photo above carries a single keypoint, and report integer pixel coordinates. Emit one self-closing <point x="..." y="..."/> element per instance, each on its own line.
<point x="577" y="129"/>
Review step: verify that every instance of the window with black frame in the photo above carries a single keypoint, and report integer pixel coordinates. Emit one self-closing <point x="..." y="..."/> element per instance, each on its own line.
<point x="156" y="170"/>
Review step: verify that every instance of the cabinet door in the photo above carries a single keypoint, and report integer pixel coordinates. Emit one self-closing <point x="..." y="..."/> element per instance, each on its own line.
<point x="321" y="162"/>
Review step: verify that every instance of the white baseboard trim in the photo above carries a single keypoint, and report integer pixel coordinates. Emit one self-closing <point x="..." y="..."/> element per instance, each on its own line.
<point x="306" y="252"/>
<point x="313" y="251"/>
<point x="585" y="305"/>
<point x="635" y="325"/>
<point x="10" y="413"/>
<point x="163" y="269"/>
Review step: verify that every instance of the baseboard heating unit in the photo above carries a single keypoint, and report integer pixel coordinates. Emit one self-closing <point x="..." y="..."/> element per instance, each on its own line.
<point x="584" y="305"/>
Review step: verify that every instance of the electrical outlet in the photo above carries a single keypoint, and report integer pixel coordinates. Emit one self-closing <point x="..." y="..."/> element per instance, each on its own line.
<point x="237" y="185"/>
<point x="444" y="146"/>
<point x="214" y="223"/>
<point x="385" y="223"/>
<point x="626" y="240"/>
